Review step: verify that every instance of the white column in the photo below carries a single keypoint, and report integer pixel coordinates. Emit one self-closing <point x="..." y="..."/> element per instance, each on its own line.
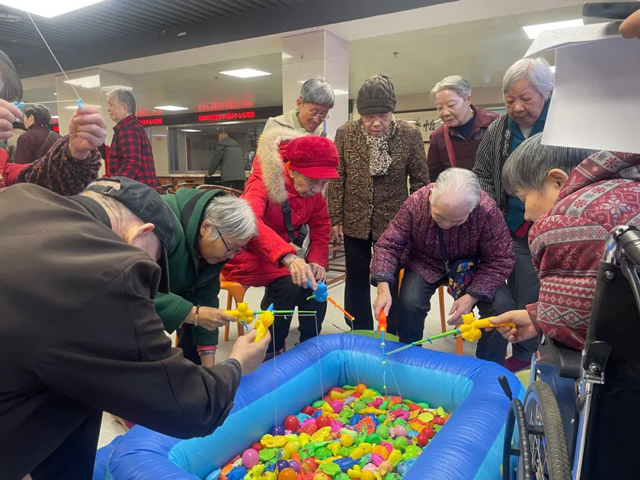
<point x="317" y="53"/>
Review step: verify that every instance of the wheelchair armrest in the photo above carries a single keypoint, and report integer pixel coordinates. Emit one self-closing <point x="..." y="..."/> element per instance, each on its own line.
<point x="566" y="360"/>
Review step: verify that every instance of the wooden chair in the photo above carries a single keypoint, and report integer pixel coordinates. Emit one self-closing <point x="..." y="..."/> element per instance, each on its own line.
<point x="228" y="190"/>
<point x="185" y="185"/>
<point x="443" y="323"/>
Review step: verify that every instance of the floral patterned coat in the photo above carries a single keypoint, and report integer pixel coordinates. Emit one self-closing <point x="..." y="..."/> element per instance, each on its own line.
<point x="363" y="204"/>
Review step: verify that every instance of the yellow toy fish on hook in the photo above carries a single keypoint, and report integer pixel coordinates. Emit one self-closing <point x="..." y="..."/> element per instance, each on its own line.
<point x="265" y="320"/>
<point x="242" y="313"/>
<point x="471" y="329"/>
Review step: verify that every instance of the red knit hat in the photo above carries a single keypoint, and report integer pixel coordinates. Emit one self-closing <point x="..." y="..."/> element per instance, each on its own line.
<point x="314" y="157"/>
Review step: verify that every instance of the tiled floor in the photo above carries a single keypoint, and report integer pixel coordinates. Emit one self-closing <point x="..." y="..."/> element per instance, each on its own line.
<point x="333" y="323"/>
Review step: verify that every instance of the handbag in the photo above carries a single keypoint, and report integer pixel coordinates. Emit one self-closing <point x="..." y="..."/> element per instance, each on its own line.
<point x="460" y="273"/>
<point x="300" y="239"/>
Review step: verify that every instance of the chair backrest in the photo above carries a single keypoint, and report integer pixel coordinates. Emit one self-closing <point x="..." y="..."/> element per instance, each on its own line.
<point x="227" y="190"/>
<point x="186" y="185"/>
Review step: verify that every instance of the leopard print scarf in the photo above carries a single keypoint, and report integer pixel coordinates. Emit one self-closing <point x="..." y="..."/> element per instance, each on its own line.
<point x="379" y="158"/>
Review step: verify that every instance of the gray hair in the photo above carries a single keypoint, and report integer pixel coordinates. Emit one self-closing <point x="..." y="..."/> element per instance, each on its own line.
<point x="318" y="91"/>
<point x="231" y="216"/>
<point x="41" y="113"/>
<point x="457" y="184"/>
<point x="10" y="84"/>
<point x="125" y="97"/>
<point x="457" y="83"/>
<point x="529" y="164"/>
<point x="535" y="70"/>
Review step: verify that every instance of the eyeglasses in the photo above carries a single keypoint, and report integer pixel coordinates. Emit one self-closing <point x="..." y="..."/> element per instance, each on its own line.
<point x="235" y="249"/>
<point x="316" y="114"/>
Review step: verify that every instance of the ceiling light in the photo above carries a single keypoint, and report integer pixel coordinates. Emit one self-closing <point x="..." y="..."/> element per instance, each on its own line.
<point x="171" y="108"/>
<point x="553" y="68"/>
<point x="55" y="94"/>
<point x="191" y="130"/>
<point x="49" y="9"/>
<point x="532" y="31"/>
<point x="245" y="73"/>
<point x="158" y="135"/>
<point x="92" y="81"/>
<point x="75" y="107"/>
<point x="286" y="56"/>
<point x="54" y="116"/>
<point x="338" y="91"/>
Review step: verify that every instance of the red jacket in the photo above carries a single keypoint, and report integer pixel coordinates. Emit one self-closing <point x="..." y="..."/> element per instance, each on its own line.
<point x="465" y="150"/>
<point x="566" y="243"/>
<point x="268" y="187"/>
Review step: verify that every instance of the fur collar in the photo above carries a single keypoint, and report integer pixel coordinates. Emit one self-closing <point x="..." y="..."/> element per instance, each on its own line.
<point x="271" y="164"/>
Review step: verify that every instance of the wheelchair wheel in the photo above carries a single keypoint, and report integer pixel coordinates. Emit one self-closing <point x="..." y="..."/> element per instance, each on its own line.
<point x="547" y="444"/>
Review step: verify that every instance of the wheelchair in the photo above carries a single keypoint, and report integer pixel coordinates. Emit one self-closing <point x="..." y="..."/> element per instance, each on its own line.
<point x="558" y="431"/>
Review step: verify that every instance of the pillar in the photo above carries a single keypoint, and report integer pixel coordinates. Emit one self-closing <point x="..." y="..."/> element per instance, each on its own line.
<point x="317" y="53"/>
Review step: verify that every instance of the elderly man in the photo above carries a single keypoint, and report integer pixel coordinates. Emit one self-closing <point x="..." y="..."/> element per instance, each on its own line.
<point x="445" y="227"/>
<point x="227" y="155"/>
<point x="80" y="332"/>
<point x="130" y="155"/>
<point x="312" y="109"/>
<point x="71" y="164"/>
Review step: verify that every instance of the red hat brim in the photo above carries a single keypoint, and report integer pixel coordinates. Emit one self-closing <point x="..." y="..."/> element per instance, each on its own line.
<point x="323" y="173"/>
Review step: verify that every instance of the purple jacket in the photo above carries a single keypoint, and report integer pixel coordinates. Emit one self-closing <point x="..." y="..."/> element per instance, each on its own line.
<point x="484" y="235"/>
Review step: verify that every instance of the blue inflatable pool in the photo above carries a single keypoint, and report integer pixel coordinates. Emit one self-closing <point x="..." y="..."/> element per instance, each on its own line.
<point x="468" y="447"/>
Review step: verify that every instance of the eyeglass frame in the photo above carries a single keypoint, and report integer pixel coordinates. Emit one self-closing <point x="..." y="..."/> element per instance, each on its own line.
<point x="322" y="118"/>
<point x="234" y="250"/>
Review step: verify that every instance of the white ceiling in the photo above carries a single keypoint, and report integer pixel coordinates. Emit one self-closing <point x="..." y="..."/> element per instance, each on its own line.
<point x="480" y="50"/>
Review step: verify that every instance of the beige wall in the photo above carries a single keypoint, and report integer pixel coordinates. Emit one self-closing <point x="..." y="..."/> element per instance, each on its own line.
<point x="481" y="96"/>
<point x="160" y="147"/>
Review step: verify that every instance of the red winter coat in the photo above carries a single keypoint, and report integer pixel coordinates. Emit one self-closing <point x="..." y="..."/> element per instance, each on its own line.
<point x="268" y="187"/>
<point x="566" y="243"/>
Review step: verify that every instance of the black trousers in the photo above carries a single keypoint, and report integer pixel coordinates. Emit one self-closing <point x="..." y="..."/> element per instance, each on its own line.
<point x="414" y="304"/>
<point x="286" y="295"/>
<point x="524" y="287"/>
<point x="74" y="458"/>
<point x="185" y="342"/>
<point x="357" y="290"/>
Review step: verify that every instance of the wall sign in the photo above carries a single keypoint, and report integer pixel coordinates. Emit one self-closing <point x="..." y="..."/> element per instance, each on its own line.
<point x="261" y="113"/>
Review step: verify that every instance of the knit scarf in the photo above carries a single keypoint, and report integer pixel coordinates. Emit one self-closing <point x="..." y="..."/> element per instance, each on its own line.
<point x="379" y="158"/>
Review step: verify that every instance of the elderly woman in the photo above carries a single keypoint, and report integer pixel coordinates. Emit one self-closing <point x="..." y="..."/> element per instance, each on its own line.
<point x="292" y="249"/>
<point x="210" y="228"/>
<point x="527" y="87"/>
<point x="39" y="138"/>
<point x="377" y="153"/>
<point x="444" y="226"/>
<point x="312" y="109"/>
<point x="575" y="203"/>
<point x="455" y="143"/>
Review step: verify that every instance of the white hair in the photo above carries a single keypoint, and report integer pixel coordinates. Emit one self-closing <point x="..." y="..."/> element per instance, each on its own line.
<point x="457" y="185"/>
<point x="457" y="83"/>
<point x="318" y="91"/>
<point x="535" y="70"/>
<point x="231" y="216"/>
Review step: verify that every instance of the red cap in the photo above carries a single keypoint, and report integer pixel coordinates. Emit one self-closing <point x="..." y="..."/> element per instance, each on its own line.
<point x="314" y="157"/>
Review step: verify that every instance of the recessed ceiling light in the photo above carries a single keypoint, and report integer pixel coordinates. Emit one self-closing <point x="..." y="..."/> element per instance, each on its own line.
<point x="55" y="94"/>
<point x="553" y="68"/>
<point x="49" y="9"/>
<point x="245" y="73"/>
<point x="191" y="130"/>
<point x="532" y="31"/>
<point x="158" y="135"/>
<point x="54" y="116"/>
<point x="170" y="108"/>
<point x="92" y="81"/>
<point x="75" y="107"/>
<point x="339" y="91"/>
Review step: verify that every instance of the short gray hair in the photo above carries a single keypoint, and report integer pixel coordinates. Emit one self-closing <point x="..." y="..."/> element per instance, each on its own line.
<point x="458" y="184"/>
<point x="125" y="97"/>
<point x="231" y="216"/>
<point x="535" y="70"/>
<point x="529" y="164"/>
<point x="41" y="113"/>
<point x="457" y="83"/>
<point x="318" y="91"/>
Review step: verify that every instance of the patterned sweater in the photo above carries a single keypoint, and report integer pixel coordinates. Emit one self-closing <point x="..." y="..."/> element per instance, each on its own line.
<point x="484" y="235"/>
<point x="566" y="243"/>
